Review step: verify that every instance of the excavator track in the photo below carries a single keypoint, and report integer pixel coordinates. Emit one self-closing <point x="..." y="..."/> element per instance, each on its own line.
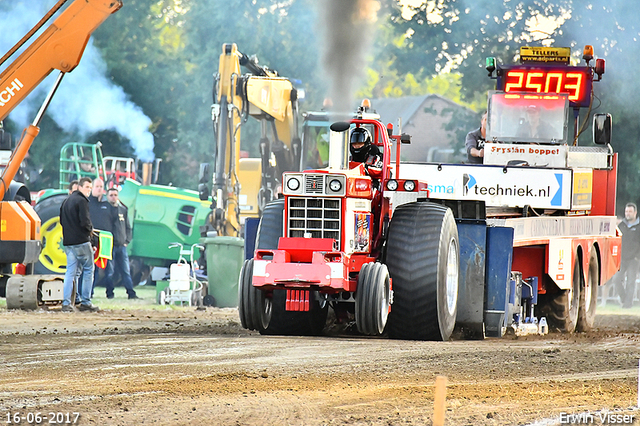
<point x="29" y="292"/>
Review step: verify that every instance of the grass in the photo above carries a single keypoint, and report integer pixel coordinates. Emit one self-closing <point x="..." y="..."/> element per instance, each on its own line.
<point x="613" y="308"/>
<point x="146" y="293"/>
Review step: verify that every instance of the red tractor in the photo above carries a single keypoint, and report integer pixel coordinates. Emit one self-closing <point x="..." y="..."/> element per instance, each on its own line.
<point x="333" y="240"/>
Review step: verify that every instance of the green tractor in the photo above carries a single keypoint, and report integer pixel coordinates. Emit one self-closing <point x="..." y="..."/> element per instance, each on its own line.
<point x="159" y="215"/>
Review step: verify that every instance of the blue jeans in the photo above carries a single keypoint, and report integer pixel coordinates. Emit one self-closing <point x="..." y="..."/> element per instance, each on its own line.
<point x="107" y="279"/>
<point x="79" y="258"/>
<point x="121" y="265"/>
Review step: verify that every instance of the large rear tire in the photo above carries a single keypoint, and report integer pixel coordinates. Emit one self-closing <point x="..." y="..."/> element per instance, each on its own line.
<point x="373" y="298"/>
<point x="589" y="295"/>
<point x="423" y="257"/>
<point x="283" y="322"/>
<point x="561" y="308"/>
<point x="271" y="226"/>
<point x="52" y="259"/>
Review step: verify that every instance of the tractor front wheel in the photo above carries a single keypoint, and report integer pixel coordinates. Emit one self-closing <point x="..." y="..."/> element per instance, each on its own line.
<point x="254" y="308"/>
<point x="373" y="299"/>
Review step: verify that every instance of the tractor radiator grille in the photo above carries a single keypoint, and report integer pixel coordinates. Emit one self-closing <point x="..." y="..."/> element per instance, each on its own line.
<point x="315" y="217"/>
<point x="314" y="184"/>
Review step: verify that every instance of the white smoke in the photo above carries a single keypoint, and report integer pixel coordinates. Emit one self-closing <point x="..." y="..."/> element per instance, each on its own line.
<point x="87" y="101"/>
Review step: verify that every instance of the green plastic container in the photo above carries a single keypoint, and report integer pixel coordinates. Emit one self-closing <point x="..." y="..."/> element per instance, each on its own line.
<point x="225" y="256"/>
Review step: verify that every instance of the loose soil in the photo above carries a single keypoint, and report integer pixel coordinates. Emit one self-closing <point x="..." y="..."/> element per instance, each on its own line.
<point x="134" y="364"/>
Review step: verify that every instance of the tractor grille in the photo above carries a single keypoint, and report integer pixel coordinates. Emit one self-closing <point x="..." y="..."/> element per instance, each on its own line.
<point x="314" y="184"/>
<point x="318" y="217"/>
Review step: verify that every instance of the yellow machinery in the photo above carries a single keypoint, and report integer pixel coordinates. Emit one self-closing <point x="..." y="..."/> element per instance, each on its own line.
<point x="272" y="100"/>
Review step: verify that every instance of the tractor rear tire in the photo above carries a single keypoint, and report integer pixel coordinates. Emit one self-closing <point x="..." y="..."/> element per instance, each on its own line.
<point x="561" y="308"/>
<point x="285" y="322"/>
<point x="254" y="308"/>
<point x="373" y="298"/>
<point x="423" y="257"/>
<point x="270" y="226"/>
<point x="52" y="259"/>
<point x="589" y="295"/>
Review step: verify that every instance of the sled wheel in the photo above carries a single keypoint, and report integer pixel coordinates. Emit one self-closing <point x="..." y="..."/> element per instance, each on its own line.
<point x="423" y="256"/>
<point x="589" y="295"/>
<point x="561" y="308"/>
<point x="373" y="296"/>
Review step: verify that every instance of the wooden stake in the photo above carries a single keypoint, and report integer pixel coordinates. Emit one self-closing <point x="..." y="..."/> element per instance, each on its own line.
<point x="439" y="401"/>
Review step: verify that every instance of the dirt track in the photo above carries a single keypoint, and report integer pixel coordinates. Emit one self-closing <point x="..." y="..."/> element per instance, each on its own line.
<point x="188" y="367"/>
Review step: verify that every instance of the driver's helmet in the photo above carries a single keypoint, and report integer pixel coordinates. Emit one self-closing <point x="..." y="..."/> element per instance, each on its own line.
<point x="360" y="135"/>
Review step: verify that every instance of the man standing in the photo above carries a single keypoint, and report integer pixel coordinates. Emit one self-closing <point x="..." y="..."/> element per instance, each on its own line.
<point x="474" y="142"/>
<point x="625" y="279"/>
<point x="103" y="217"/>
<point x="76" y="239"/>
<point x="121" y="237"/>
<point x="73" y="185"/>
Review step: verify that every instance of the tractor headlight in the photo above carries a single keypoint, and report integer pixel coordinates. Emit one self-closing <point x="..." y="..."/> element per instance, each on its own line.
<point x="335" y="185"/>
<point x="409" y="185"/>
<point x="392" y="184"/>
<point x="293" y="184"/>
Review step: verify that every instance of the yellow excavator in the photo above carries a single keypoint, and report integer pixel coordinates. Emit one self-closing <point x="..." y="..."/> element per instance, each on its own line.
<point x="59" y="47"/>
<point x="269" y="98"/>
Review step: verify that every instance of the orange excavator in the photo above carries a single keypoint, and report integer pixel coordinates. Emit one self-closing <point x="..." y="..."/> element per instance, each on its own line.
<point x="59" y="47"/>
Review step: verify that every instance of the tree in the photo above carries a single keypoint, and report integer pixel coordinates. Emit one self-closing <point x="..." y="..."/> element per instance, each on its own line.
<point x="280" y="34"/>
<point x="143" y="46"/>
<point x="458" y="35"/>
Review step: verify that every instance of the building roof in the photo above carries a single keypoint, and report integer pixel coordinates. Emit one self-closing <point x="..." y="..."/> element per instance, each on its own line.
<point x="405" y="108"/>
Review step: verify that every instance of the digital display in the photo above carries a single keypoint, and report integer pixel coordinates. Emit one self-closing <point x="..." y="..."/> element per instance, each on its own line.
<point x="576" y="82"/>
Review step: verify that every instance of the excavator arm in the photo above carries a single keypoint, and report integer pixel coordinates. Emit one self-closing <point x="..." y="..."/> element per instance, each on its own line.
<point x="59" y="47"/>
<point x="272" y="100"/>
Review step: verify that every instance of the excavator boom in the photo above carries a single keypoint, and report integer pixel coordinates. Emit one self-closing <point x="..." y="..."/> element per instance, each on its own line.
<point x="268" y="98"/>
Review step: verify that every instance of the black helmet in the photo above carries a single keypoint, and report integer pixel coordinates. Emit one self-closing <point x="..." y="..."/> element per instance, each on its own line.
<point x="360" y="135"/>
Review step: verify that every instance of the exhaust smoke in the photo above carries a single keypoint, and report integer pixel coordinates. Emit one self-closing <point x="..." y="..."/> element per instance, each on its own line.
<point x="348" y="28"/>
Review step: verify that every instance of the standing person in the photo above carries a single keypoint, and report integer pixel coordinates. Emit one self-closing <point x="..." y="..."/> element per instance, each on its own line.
<point x="73" y="185"/>
<point x="625" y="279"/>
<point x="76" y="239"/>
<point x="103" y="217"/>
<point x="474" y="142"/>
<point x="121" y="237"/>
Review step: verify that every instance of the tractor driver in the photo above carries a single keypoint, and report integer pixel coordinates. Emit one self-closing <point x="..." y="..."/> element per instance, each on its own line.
<point x="363" y="151"/>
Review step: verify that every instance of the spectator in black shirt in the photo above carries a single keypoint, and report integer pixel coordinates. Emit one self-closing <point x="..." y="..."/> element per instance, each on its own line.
<point x="625" y="279"/>
<point x="103" y="217"/>
<point x="77" y="231"/>
<point x="121" y="238"/>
